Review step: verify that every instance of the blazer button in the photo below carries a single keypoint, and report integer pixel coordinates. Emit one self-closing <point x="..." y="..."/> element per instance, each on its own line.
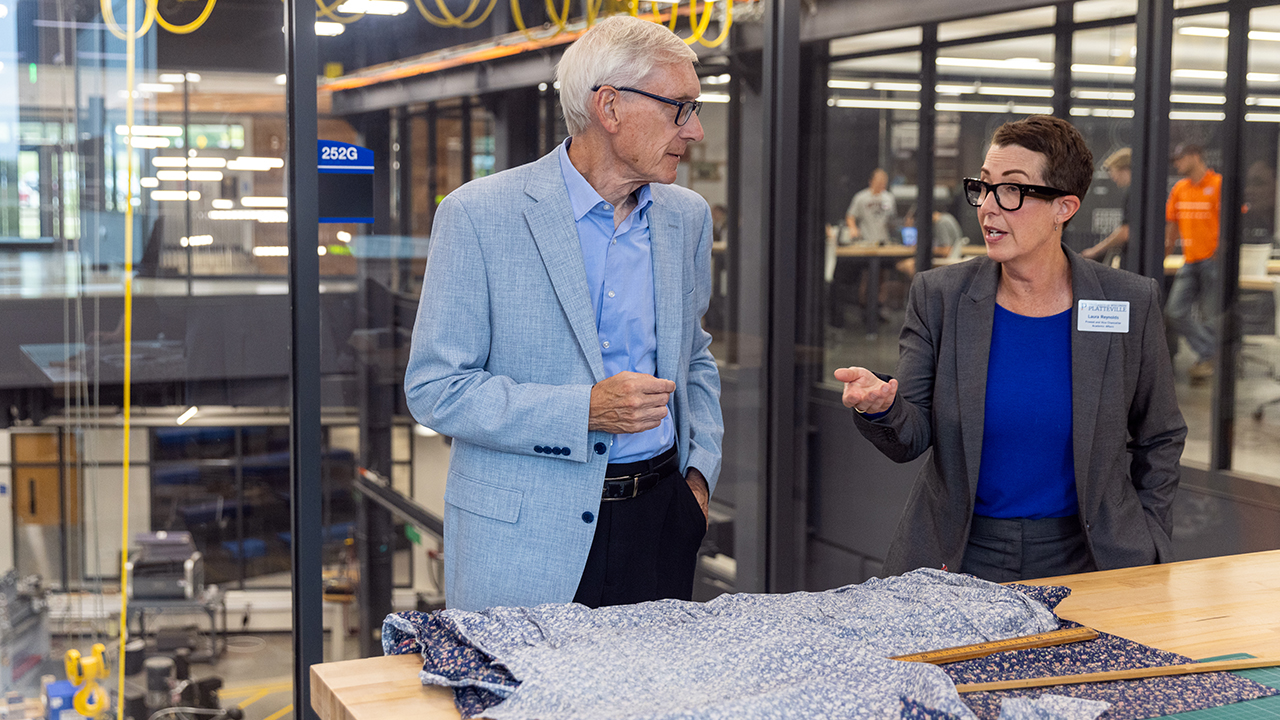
<point x="601" y="449"/>
<point x="556" y="451"/>
<point x="539" y="449"/>
<point x="587" y="517"/>
<point x="567" y="451"/>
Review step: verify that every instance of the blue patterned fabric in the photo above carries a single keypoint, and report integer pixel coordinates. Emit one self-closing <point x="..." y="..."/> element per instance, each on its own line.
<point x="797" y="655"/>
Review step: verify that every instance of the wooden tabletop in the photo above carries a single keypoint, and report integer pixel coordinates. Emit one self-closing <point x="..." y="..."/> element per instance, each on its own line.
<point x="1199" y="608"/>
<point x="1172" y="263"/>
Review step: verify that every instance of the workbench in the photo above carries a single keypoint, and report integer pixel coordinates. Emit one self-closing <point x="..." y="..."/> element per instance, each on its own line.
<point x="1198" y="608"/>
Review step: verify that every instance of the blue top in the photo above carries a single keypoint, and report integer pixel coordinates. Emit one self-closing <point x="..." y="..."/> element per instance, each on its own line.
<point x="620" y="281"/>
<point x="1027" y="468"/>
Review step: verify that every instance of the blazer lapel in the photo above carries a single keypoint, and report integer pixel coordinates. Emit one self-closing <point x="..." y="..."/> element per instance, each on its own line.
<point x="1089" y="352"/>
<point x="551" y="223"/>
<point x="665" y="248"/>
<point x="975" y="316"/>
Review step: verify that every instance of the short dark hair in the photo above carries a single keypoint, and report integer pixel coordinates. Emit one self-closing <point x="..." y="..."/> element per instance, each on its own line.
<point x="1068" y="161"/>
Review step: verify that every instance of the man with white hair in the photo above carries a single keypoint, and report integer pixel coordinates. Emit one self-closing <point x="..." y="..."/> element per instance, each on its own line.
<point x="559" y="343"/>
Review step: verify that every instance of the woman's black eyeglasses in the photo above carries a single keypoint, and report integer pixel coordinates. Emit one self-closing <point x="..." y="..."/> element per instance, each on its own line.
<point x="1009" y="196"/>
<point x="685" y="109"/>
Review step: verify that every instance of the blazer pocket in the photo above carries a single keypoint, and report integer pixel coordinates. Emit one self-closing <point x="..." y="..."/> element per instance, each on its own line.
<point x="483" y="498"/>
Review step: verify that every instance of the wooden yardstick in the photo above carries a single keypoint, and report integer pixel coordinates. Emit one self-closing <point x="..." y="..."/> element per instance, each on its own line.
<point x="969" y="652"/>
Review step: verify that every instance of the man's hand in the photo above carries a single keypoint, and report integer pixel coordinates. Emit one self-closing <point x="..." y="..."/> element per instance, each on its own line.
<point x="698" y="484"/>
<point x="865" y="392"/>
<point x="629" y="402"/>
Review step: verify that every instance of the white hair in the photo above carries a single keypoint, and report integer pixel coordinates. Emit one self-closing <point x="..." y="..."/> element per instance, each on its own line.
<point x="618" y="51"/>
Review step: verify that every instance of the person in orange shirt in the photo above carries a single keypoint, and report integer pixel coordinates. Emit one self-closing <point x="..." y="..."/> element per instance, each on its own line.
<point x="1191" y="215"/>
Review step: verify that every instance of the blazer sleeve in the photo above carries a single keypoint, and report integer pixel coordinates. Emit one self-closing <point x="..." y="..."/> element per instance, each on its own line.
<point x="706" y="423"/>
<point x="1156" y="429"/>
<point x="446" y="382"/>
<point x="906" y="430"/>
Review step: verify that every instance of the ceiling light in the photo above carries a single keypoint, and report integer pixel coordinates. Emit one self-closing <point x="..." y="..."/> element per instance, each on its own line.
<point x="1121" y="95"/>
<point x="255" y="163"/>
<point x="196" y="241"/>
<point x="1263" y="77"/>
<point x="344" y="236"/>
<point x="321" y="250"/>
<point x="875" y="103"/>
<point x="172" y="77"/>
<point x="207" y="162"/>
<point x="262" y="216"/>
<point x="1198" y="99"/>
<point x="271" y="251"/>
<point x="281" y="79"/>
<point x="848" y="85"/>
<point x="171" y="175"/>
<point x="1262" y="117"/>
<point x="1200" y="74"/>
<point x="169" y="161"/>
<point x="155" y="87"/>
<point x="149" y="182"/>
<point x="373" y="7"/>
<point x="1086" y="68"/>
<point x="193" y="77"/>
<point x="714" y="97"/>
<point x="994" y="108"/>
<point x="204" y="175"/>
<point x="325" y="29"/>
<point x="1204" y="31"/>
<point x="221" y="204"/>
<point x="1102" y="112"/>
<point x="896" y="86"/>
<point x="190" y="413"/>
<point x="150" y="130"/>
<point x="1010" y="64"/>
<point x="149" y="143"/>
<point x="173" y="195"/>
<point x="264" y="202"/>
<point x="1186" y="115"/>
<point x="1015" y="91"/>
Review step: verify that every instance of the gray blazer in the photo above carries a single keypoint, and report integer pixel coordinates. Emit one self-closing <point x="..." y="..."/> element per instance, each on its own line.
<point x="1127" y="429"/>
<point x="504" y="355"/>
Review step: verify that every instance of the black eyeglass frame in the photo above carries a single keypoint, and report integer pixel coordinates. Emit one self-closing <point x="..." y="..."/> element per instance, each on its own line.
<point x="1040" y="192"/>
<point x="696" y="105"/>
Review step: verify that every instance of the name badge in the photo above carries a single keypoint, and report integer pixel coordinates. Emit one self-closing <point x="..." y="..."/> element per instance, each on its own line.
<point x="1103" y="316"/>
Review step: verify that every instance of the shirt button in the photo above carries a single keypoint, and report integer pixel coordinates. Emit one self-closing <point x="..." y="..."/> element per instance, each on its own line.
<point x="539" y="449"/>
<point x="606" y="344"/>
<point x="587" y="517"/>
<point x="610" y="293"/>
<point x="607" y="206"/>
<point x="615" y="241"/>
<point x="600" y="448"/>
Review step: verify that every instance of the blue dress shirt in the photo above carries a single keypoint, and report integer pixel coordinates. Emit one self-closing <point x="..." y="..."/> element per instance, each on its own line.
<point x="620" y="281"/>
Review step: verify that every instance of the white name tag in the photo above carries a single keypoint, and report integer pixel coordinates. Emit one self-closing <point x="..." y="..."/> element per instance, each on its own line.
<point x="1103" y="316"/>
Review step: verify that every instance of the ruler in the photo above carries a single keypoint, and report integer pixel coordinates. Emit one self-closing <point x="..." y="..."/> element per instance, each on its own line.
<point x="1134" y="674"/>
<point x="969" y="652"/>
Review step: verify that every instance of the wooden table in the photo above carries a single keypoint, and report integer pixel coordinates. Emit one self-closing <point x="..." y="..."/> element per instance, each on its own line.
<point x="1174" y="263"/>
<point x="1199" y="608"/>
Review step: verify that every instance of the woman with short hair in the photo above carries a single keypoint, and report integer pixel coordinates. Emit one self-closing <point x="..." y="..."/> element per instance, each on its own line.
<point x="1040" y="381"/>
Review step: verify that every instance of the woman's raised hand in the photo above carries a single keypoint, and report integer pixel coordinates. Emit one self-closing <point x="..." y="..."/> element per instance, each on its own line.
<point x="865" y="392"/>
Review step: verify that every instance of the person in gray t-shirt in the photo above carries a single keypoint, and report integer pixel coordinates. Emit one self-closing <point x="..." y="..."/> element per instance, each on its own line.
<point x="871" y="211"/>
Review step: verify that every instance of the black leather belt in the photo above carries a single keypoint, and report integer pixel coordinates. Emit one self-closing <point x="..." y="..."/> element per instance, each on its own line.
<point x="624" y="481"/>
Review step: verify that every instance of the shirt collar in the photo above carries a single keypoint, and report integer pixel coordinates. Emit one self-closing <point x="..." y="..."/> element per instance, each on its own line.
<point x="582" y="197"/>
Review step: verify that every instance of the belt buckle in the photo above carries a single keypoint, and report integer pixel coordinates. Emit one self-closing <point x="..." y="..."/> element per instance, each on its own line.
<point x="635" y="484"/>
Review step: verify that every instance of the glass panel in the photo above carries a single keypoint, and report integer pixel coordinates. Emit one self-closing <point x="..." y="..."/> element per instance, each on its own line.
<point x="872" y="110"/>
<point x="1256" y="450"/>
<point x="1088" y="10"/>
<point x="1195" y="130"/>
<point x="1102" y="74"/>
<point x="1006" y="22"/>
<point x="904" y="37"/>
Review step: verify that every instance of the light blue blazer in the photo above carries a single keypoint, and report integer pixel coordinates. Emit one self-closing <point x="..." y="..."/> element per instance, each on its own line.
<point x="504" y="356"/>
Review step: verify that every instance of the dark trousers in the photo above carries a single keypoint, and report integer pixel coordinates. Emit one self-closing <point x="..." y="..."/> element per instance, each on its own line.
<point x="1005" y="549"/>
<point x="645" y="548"/>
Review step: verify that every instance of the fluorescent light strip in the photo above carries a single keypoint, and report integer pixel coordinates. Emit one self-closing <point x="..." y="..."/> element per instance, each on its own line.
<point x="1010" y="64"/>
<point x="1200" y="74"/>
<point x="271" y="251"/>
<point x="172" y="77"/>
<point x="263" y="216"/>
<point x="1087" y="69"/>
<point x="373" y="7"/>
<point x="329" y="29"/>
<point x="873" y="103"/>
<point x="1263" y="77"/>
<point x="149" y="182"/>
<point x="848" y="85"/>
<point x="1121" y="95"/>
<point x="896" y="86"/>
<point x="1266" y="102"/>
<point x="221" y="204"/>
<point x="169" y="161"/>
<point x="1262" y="117"/>
<point x="1223" y="33"/>
<point x="1198" y="99"/>
<point x="1014" y="91"/>
<point x="174" y="195"/>
<point x="207" y="162"/>
<point x="714" y="97"/>
<point x="149" y="143"/>
<point x="196" y="241"/>
<point x="150" y="130"/>
<point x="994" y="108"/>
<point x="155" y="87"/>
<point x="344" y="236"/>
<point x="190" y="413"/>
<point x="255" y="163"/>
<point x="264" y="202"/>
<point x="1102" y="112"/>
<point x="204" y="175"/>
<point x="171" y="175"/>
<point x="1188" y="115"/>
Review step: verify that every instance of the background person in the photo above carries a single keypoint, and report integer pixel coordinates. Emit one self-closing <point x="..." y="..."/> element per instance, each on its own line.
<point x="558" y="342"/>
<point x="871" y="211"/>
<point x="1119" y="167"/>
<point x="946" y="233"/>
<point x="1055" y="446"/>
<point x="1195" y="204"/>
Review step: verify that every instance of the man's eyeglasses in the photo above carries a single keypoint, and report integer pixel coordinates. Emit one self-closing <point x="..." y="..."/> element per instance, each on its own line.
<point x="685" y="109"/>
<point x="1009" y="196"/>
